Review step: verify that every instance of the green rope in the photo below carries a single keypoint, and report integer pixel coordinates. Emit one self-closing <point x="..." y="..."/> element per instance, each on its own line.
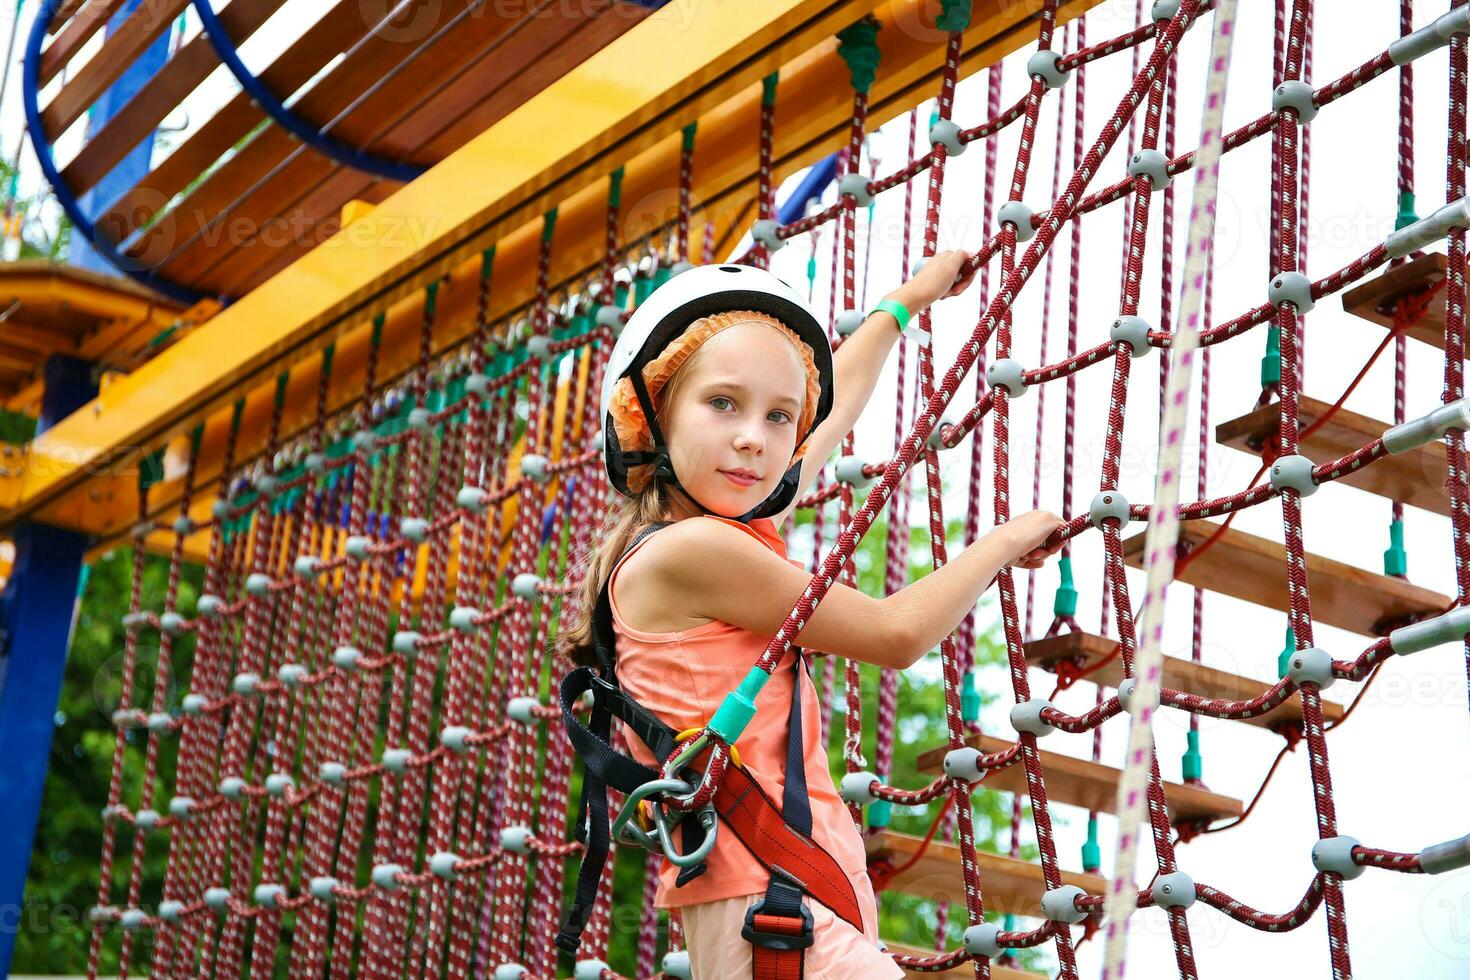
<point x="1406" y="215"/>
<point x="378" y="322"/>
<point x="431" y="298"/>
<point x="857" y="44"/>
<point x="549" y="225"/>
<point x="954" y="17"/>
<point x="1091" y="850"/>
<point x="768" y="88"/>
<point x="1065" y="603"/>
<point x="150" y="470"/>
<point x="1395" y="559"/>
<point x="615" y="188"/>
<point x="1283" y="662"/>
<point x="1192" y="764"/>
<point x="689" y="135"/>
<point x="1271" y="363"/>
<point x="487" y="260"/>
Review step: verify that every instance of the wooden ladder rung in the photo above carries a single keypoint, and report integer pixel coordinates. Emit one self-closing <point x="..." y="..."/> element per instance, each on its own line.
<point x="1178" y="675"/>
<point x="1254" y="569"/>
<point x="1377" y="299"/>
<point x="1007" y="884"/>
<point x="1416" y="477"/>
<point x="1090" y="785"/>
<point x="964" y="970"/>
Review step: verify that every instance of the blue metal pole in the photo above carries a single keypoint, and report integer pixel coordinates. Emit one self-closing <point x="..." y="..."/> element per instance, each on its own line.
<point x="37" y="612"/>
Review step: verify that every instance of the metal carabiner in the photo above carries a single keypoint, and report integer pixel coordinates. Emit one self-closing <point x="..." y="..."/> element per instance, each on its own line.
<point x="707" y="819"/>
<point x="635" y="835"/>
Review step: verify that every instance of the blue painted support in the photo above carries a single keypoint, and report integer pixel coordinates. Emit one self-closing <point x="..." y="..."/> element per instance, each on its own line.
<point x="344" y="153"/>
<point x="37" y="612"/>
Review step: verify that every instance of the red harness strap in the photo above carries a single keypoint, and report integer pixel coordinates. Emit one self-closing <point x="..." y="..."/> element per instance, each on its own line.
<point x="791" y="857"/>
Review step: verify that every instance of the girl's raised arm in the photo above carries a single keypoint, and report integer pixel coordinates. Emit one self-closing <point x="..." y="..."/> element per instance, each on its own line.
<point x="860" y="358"/>
<point x="710" y="569"/>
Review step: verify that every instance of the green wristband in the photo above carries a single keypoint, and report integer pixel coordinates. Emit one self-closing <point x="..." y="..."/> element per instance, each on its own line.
<point x="897" y="310"/>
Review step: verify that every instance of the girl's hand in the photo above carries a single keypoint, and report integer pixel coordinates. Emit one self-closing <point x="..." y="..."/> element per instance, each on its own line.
<point x="938" y="279"/>
<point x="1027" y="534"/>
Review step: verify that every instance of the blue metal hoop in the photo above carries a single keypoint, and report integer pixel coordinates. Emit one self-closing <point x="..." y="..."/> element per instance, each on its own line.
<point x="343" y="153"/>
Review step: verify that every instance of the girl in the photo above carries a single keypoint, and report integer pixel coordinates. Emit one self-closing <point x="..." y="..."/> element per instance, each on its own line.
<point x="721" y="404"/>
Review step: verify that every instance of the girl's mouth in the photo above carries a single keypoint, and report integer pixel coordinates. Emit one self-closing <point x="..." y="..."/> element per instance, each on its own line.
<point x="739" y="479"/>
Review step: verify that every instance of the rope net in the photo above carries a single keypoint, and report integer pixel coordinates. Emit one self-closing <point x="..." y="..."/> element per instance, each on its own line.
<point x="371" y="777"/>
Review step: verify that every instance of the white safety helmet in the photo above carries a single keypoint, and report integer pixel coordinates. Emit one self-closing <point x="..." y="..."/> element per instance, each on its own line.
<point x="665" y="314"/>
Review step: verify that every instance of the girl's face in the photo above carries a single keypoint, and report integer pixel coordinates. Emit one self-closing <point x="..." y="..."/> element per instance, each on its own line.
<point x="731" y="423"/>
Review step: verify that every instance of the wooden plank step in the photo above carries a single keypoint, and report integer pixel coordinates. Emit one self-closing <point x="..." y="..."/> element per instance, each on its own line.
<point x="1008" y="884"/>
<point x="1377" y="298"/>
<point x="965" y="970"/>
<point x="1090" y="785"/>
<point x="1179" y="675"/>
<point x="1416" y="477"/>
<point x="1254" y="569"/>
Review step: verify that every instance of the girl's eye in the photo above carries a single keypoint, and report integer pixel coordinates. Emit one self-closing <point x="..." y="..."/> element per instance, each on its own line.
<point x="720" y="400"/>
<point x="783" y="417"/>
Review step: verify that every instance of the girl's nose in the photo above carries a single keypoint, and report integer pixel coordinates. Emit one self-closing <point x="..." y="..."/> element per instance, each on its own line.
<point x="750" y="438"/>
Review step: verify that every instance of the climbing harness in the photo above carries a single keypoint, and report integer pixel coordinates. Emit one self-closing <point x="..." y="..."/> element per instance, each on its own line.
<point x="779" y="926"/>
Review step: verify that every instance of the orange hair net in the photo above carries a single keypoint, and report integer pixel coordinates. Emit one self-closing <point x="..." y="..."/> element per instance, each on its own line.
<point x="631" y="425"/>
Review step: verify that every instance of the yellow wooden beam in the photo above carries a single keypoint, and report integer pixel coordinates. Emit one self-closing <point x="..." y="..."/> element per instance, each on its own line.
<point x="555" y="150"/>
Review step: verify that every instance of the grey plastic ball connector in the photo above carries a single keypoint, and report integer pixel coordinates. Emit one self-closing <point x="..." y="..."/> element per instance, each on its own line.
<point x="1109" y="503"/>
<point x="184" y="525"/>
<point x="539" y="347"/>
<point x="947" y="132"/>
<point x="441" y="865"/>
<point x="193" y="705"/>
<point x="1128" y="696"/>
<point x="133" y="919"/>
<point x="855" y="184"/>
<point x="1060" y="904"/>
<point x="1293" y="473"/>
<point x="849" y="469"/>
<point x="676" y="965"/>
<point x="257" y="583"/>
<point x="535" y="468"/>
<point x="1151" y="164"/>
<point x="385" y="876"/>
<point x="268" y="486"/>
<point x="246" y="684"/>
<point x="1173" y="891"/>
<point x="315" y="463"/>
<point x="170" y="911"/>
<point x="1164" y="10"/>
<point x="357" y="547"/>
<point x="1019" y="215"/>
<point x="1311" y="665"/>
<point x="278" y="783"/>
<point x="101" y="913"/>
<point x="1133" y="331"/>
<point x="180" y="807"/>
<point x="1336" y="854"/>
<point x="414" y="529"/>
<point x="983" y="939"/>
<point x="290" y="674"/>
<point x="589" y="970"/>
<point x="455" y="738"/>
<point x="1007" y="373"/>
<point x="464" y="619"/>
<point x="1291" y="287"/>
<point x="346" y="658"/>
<point x="1026" y="717"/>
<point x="232" y="788"/>
<point x="332" y="773"/>
<point x="208" y="606"/>
<point x="477" y="384"/>
<point x="1451" y="627"/>
<point x="471" y="499"/>
<point x="765" y="232"/>
<point x="396" y="760"/>
<point x="217" y="898"/>
<point x="510" y="971"/>
<point x="527" y="585"/>
<point x="516" y="839"/>
<point x="146" y="820"/>
<point x="365" y="440"/>
<point x="963" y="764"/>
<point x="522" y="710"/>
<point x="610" y="317"/>
<point x="269" y="896"/>
<point x="323" y="889"/>
<point x="220" y="509"/>
<point x="134" y="620"/>
<point x="680" y="267"/>
<point x="159" y="722"/>
<point x="420" y="420"/>
<point x="857" y="787"/>
<point x="936" y="434"/>
<point x="406" y="643"/>
<point x="1295" y="94"/>
<point x="848" y="322"/>
<point x="307" y="566"/>
<point x="1046" y="65"/>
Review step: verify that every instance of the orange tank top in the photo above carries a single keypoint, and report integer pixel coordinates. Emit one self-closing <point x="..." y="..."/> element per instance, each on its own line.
<point x="682" y="677"/>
